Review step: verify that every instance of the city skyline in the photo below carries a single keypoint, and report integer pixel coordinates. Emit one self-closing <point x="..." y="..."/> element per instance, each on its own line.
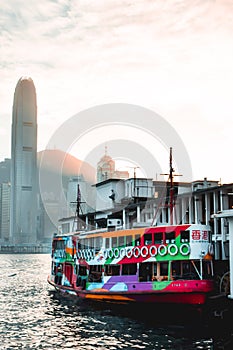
<point x="174" y="58"/>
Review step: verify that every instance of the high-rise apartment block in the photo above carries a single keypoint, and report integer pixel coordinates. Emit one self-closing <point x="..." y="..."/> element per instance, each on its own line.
<point x="5" y="191"/>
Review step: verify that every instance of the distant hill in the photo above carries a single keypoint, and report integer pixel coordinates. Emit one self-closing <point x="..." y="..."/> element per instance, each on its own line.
<point x="55" y="161"/>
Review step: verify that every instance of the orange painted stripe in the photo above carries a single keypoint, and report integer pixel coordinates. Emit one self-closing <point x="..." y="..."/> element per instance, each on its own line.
<point x="69" y="250"/>
<point x="128" y="232"/>
<point x="107" y="297"/>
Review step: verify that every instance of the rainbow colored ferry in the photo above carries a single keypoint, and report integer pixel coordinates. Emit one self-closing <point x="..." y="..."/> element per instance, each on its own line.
<point x="171" y="264"/>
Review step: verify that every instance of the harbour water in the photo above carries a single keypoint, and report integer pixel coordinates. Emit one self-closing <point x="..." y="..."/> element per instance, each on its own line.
<point x="33" y="316"/>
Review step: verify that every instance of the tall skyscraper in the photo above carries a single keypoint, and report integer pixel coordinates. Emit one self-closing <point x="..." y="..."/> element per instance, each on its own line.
<point x="23" y="216"/>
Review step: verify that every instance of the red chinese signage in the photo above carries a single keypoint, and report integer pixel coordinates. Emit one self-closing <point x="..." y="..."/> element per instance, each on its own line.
<point x="197" y="235"/>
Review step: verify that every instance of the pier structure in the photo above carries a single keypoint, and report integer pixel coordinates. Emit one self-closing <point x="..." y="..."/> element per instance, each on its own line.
<point x="40" y="248"/>
<point x="228" y="214"/>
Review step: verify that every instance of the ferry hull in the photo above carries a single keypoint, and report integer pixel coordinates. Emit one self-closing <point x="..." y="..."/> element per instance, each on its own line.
<point x="154" y="297"/>
<point x="155" y="266"/>
<point x="145" y="297"/>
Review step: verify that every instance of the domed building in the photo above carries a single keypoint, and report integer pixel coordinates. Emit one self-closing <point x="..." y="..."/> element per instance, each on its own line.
<point x="106" y="169"/>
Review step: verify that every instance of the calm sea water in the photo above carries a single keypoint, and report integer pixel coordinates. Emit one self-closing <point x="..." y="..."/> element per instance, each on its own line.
<point x="33" y="316"/>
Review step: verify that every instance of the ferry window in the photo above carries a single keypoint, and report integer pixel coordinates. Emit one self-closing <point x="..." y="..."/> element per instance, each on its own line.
<point x="59" y="244"/>
<point x="207" y="271"/>
<point x="176" y="269"/>
<point x="170" y="237"/>
<point x="129" y="269"/>
<point x="137" y="240"/>
<point x="155" y="269"/>
<point x="95" y="268"/>
<point x="114" y="242"/>
<point x="148" y="238"/>
<point x="121" y="241"/>
<point x="112" y="270"/>
<point x="85" y="242"/>
<point x="98" y="243"/>
<point x="186" y="267"/>
<point x="184" y="236"/>
<point x="145" y="272"/>
<point x="107" y="270"/>
<point x="82" y="244"/>
<point x="82" y="270"/>
<point x="129" y="241"/>
<point x="91" y="243"/>
<point x="189" y="271"/>
<point x="164" y="268"/>
<point x="158" y="237"/>
<point x="95" y="273"/>
<point x="107" y="243"/>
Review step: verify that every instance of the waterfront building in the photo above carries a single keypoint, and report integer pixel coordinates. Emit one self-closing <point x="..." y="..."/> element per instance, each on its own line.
<point x="5" y="171"/>
<point x="23" y="214"/>
<point x="5" y="191"/>
<point x="134" y="202"/>
<point x="126" y="203"/>
<point x="194" y="202"/>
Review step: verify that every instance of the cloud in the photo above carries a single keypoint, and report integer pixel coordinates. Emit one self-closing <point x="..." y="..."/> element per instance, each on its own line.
<point x="175" y="57"/>
<point x="104" y="34"/>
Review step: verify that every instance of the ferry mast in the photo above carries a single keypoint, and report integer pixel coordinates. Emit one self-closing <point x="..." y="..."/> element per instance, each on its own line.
<point x="171" y="188"/>
<point x="171" y="177"/>
<point x="78" y="210"/>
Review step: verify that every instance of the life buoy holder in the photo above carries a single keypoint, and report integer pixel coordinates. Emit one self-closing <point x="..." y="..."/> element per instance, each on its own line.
<point x="105" y="254"/>
<point x="134" y="252"/>
<point x="116" y="253"/>
<point x="184" y="245"/>
<point x="84" y="254"/>
<point x="153" y="247"/>
<point x="171" y="251"/>
<point x="110" y="254"/>
<point x="129" y="252"/>
<point x="88" y="254"/>
<point x="144" y="251"/>
<point x="92" y="253"/>
<point x="122" y="252"/>
<point x="164" y="251"/>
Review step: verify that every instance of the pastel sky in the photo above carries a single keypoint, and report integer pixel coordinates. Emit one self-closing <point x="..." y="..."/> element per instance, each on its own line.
<point x="174" y="57"/>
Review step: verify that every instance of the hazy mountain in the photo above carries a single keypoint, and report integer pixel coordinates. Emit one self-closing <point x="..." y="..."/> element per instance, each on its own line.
<point x="56" y="161"/>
